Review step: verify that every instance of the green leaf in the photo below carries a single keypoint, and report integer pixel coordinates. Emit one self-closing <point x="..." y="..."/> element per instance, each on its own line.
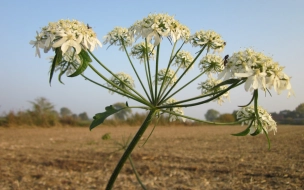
<point x="269" y="144"/>
<point x="56" y="61"/>
<point x="100" y="117"/>
<point x="243" y="133"/>
<point x="85" y="61"/>
<point x="258" y="131"/>
<point x="63" y="71"/>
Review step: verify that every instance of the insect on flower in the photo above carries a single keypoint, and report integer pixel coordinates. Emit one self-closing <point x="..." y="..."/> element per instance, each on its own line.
<point x="89" y="27"/>
<point x="225" y="59"/>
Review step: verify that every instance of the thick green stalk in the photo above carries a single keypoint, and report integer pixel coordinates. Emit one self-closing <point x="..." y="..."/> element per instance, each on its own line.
<point x="130" y="148"/>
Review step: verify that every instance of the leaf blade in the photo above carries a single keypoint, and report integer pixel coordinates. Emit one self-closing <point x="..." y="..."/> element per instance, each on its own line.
<point x="100" y="117"/>
<point x="85" y="61"/>
<point x="56" y="61"/>
<point x="243" y="133"/>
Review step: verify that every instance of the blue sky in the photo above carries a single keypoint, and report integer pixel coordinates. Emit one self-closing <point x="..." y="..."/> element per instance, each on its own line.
<point x="273" y="27"/>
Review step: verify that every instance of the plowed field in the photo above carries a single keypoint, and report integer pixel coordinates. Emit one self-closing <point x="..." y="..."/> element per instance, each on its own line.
<point x="180" y="158"/>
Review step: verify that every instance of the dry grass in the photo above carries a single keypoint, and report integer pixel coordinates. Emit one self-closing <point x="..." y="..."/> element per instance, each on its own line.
<point x="204" y="157"/>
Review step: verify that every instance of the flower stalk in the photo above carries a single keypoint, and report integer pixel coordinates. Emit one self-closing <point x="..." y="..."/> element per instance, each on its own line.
<point x="130" y="148"/>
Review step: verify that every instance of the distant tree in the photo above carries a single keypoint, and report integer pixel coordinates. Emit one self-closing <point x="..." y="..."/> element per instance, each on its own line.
<point x="300" y="109"/>
<point x="41" y="106"/>
<point x="83" y="116"/>
<point x="212" y="115"/>
<point x="123" y="114"/>
<point x="43" y="113"/>
<point x="289" y="114"/>
<point x="65" y="112"/>
<point x="227" y="117"/>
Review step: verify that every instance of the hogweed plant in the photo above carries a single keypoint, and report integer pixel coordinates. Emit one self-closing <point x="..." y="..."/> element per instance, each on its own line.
<point x="73" y="43"/>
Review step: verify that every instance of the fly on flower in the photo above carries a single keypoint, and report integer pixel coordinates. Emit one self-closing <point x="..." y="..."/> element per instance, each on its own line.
<point x="226" y="60"/>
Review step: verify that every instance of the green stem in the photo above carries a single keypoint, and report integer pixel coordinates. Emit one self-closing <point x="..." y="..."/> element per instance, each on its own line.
<point x="139" y="99"/>
<point x="185" y="85"/>
<point x="100" y="63"/>
<point x="203" y="121"/>
<point x="175" y="104"/>
<point x="147" y="76"/>
<point x="135" y="71"/>
<point x="149" y="71"/>
<point x="156" y="73"/>
<point x="113" y="90"/>
<point x="136" y="173"/>
<point x="167" y="85"/>
<point x="164" y="97"/>
<point x="130" y="148"/>
<point x="161" y="91"/>
<point x="126" y="93"/>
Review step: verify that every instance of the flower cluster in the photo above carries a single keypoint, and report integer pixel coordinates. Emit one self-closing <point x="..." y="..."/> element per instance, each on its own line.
<point x="139" y="51"/>
<point x="122" y="80"/>
<point x="211" y="63"/>
<point x="119" y="36"/>
<point x="183" y="59"/>
<point x="248" y="114"/>
<point x="66" y="34"/>
<point x="210" y="39"/>
<point x="169" y="77"/>
<point x="156" y="26"/>
<point x="208" y="87"/>
<point x="69" y="64"/>
<point x="261" y="71"/>
<point x="177" y="110"/>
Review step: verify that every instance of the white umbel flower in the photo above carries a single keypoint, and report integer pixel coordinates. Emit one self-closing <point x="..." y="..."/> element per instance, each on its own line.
<point x="66" y="34"/>
<point x="210" y="39"/>
<point x="207" y="87"/>
<point x="177" y="110"/>
<point x="139" y="51"/>
<point x="183" y="59"/>
<point x="118" y="36"/>
<point x="156" y="26"/>
<point x="248" y="114"/>
<point x="122" y="80"/>
<point x="261" y="71"/>
<point x="169" y="78"/>
<point x="211" y="63"/>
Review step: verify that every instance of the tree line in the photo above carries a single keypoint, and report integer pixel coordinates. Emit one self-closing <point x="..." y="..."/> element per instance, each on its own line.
<point x="43" y="114"/>
<point x="291" y="117"/>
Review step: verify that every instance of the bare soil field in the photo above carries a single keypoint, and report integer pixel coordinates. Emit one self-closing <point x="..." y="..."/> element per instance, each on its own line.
<point x="181" y="158"/>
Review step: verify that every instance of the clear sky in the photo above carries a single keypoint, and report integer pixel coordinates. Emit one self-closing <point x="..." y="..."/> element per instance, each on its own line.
<point x="273" y="27"/>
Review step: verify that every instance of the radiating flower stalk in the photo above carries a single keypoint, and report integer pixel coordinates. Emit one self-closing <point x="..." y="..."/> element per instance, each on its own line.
<point x="74" y="42"/>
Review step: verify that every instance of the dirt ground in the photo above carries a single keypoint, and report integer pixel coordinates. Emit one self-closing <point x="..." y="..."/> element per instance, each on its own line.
<point x="180" y="158"/>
